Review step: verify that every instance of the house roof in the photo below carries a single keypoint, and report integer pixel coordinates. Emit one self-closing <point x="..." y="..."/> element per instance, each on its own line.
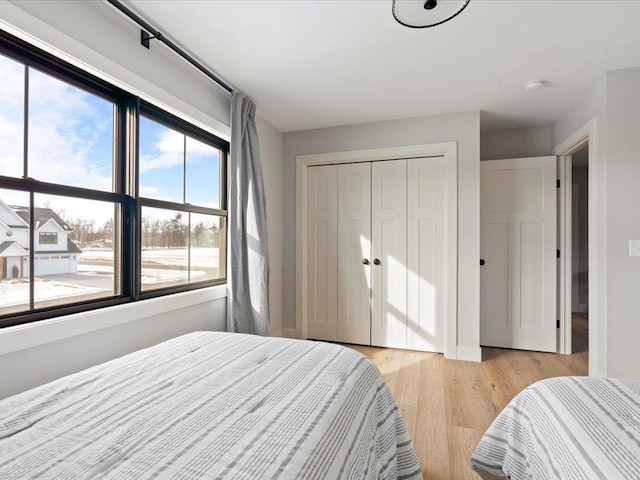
<point x="5" y="246"/>
<point x="13" y="221"/>
<point x="41" y="216"/>
<point x="72" y="247"/>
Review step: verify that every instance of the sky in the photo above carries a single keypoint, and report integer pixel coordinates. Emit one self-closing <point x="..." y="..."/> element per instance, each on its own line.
<point x="70" y="142"/>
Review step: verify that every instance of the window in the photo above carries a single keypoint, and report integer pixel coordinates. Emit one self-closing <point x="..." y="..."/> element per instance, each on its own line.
<point x="91" y="220"/>
<point x="181" y="189"/>
<point x="48" y="238"/>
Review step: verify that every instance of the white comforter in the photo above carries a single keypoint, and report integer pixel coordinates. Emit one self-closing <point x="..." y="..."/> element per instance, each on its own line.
<point x="211" y="405"/>
<point x="569" y="428"/>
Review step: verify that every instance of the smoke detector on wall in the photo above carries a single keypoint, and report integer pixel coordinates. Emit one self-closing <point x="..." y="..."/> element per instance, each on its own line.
<point x="535" y="85"/>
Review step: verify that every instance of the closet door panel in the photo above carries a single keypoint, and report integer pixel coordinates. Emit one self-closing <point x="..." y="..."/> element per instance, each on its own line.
<point x="389" y="246"/>
<point x="354" y="246"/>
<point x="322" y="252"/>
<point x="426" y="230"/>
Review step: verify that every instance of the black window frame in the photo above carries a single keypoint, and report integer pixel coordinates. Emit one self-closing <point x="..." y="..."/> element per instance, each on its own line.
<point x="168" y="120"/>
<point x="125" y="183"/>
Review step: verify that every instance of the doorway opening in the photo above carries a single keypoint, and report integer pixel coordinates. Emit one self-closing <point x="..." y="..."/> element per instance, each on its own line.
<point x="577" y="306"/>
<point x="580" y="250"/>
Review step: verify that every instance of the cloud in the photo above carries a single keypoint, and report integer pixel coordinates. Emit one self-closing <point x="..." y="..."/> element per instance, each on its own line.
<point x="70" y="131"/>
<point x="147" y="191"/>
<point x="168" y="148"/>
<point x="11" y="117"/>
<point x="70" y="134"/>
<point x="167" y="151"/>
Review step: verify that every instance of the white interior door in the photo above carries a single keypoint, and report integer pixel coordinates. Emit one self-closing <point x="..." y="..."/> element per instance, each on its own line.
<point x="354" y="248"/>
<point x="389" y="248"/>
<point x="322" y="252"/>
<point x="518" y="245"/>
<point x="426" y="254"/>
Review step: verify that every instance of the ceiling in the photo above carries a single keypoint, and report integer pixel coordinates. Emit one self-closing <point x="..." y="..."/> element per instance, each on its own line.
<point x="312" y="64"/>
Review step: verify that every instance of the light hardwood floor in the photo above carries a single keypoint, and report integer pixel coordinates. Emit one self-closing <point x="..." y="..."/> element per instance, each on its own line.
<point x="448" y="404"/>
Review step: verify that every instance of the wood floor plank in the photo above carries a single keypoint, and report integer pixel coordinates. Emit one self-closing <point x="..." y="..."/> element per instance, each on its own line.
<point x="448" y="404"/>
<point x="462" y="443"/>
<point x="408" y="379"/>
<point x="479" y="399"/>
<point x="430" y="440"/>
<point x="455" y="390"/>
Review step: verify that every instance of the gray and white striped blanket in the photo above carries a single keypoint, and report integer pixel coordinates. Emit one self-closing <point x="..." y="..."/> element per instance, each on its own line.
<point x="211" y="405"/>
<point x="566" y="428"/>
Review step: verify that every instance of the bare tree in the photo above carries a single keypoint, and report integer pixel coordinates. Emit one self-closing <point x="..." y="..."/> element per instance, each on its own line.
<point x="82" y="229"/>
<point x="146" y="230"/>
<point x="197" y="233"/>
<point x="108" y="229"/>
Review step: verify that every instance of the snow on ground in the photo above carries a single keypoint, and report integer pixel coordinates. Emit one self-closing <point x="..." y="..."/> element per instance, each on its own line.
<point x="15" y="292"/>
<point x="99" y="278"/>
<point x="200" y="257"/>
<point x="149" y="275"/>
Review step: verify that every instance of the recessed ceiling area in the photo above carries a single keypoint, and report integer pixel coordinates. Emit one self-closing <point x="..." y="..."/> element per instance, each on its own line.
<point x="314" y="64"/>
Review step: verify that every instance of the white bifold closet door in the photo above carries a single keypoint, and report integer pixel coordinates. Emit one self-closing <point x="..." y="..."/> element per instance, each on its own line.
<point x="354" y="248"/>
<point x="322" y="252"/>
<point x="389" y="242"/>
<point x="426" y="253"/>
<point x="376" y="253"/>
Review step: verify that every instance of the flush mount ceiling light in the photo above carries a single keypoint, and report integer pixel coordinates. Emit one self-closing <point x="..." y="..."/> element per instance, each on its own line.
<point x="426" y="13"/>
<point x="534" y="85"/>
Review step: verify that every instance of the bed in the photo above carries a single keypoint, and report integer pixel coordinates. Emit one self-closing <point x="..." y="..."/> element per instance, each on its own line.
<point x="565" y="428"/>
<point x="211" y="405"/>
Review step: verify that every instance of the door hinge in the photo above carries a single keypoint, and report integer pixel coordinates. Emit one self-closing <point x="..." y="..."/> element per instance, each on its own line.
<point x="557" y="323"/>
<point x="558" y="183"/>
<point x="557" y="253"/>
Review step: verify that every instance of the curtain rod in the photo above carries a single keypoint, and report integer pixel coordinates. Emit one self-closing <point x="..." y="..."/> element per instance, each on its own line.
<point x="155" y="34"/>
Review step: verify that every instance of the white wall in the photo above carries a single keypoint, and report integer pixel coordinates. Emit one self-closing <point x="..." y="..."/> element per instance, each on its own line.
<point x="272" y="156"/>
<point x="516" y="143"/>
<point x="463" y="128"/>
<point x="31" y="355"/>
<point x="615" y="101"/>
<point x="623" y="221"/>
<point x="592" y="104"/>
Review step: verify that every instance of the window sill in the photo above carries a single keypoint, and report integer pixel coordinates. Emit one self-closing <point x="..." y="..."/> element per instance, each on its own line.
<point x="29" y="335"/>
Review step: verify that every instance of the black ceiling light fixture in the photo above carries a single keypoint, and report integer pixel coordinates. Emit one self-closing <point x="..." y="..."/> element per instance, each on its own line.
<point x="426" y="13"/>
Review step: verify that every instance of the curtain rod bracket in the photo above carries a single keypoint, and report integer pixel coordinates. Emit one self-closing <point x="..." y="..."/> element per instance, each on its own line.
<point x="145" y="38"/>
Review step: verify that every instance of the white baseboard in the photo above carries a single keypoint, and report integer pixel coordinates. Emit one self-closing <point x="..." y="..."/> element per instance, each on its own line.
<point x="468" y="353"/>
<point x="290" y="333"/>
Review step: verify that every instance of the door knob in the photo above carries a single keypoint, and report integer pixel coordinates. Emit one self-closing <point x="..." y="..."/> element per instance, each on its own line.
<point x="365" y="261"/>
<point x="376" y="262"/>
<point x="482" y="262"/>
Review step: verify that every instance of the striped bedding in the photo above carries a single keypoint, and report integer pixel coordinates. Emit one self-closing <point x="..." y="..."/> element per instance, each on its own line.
<point x="565" y="428"/>
<point x="211" y="405"/>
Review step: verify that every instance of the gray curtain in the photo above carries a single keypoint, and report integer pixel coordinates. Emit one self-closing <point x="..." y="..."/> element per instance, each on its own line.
<point x="248" y="304"/>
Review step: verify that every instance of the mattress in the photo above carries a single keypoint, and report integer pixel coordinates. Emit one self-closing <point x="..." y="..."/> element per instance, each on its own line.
<point x="565" y="428"/>
<point x="211" y="405"/>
